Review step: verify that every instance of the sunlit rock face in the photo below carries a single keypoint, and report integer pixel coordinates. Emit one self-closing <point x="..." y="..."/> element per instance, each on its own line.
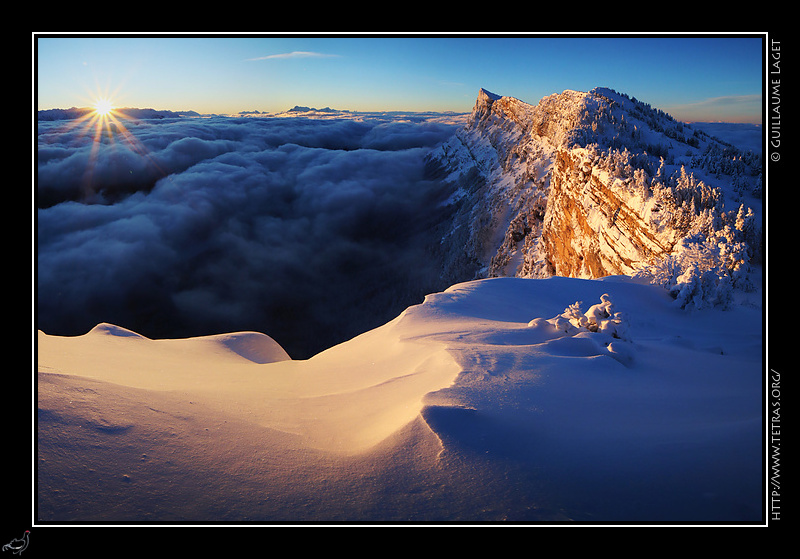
<point x="593" y="229"/>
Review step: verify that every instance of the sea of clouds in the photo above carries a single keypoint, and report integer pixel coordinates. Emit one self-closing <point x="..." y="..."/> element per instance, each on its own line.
<point x="308" y="230"/>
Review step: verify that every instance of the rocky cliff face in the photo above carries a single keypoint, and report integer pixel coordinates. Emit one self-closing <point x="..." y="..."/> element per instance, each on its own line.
<point x="595" y="226"/>
<point x="595" y="184"/>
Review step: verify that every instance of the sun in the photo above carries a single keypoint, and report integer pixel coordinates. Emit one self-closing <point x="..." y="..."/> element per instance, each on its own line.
<point x="103" y="107"/>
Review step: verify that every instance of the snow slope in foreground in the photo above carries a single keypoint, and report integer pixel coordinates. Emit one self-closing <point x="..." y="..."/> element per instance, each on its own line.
<point x="483" y="403"/>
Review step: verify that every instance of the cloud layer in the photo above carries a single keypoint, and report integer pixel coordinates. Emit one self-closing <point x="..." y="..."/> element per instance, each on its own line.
<point x="310" y="231"/>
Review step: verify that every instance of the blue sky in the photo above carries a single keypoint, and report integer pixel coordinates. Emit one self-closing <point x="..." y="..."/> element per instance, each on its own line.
<point x="693" y="78"/>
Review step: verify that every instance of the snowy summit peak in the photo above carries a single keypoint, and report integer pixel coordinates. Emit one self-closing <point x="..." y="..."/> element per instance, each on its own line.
<point x="484" y="101"/>
<point x="488" y="94"/>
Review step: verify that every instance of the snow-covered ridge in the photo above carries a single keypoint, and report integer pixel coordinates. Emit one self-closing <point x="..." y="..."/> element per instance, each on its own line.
<point x="588" y="184"/>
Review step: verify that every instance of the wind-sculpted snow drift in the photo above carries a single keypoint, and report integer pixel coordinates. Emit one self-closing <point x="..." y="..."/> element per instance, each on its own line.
<point x="501" y="399"/>
<point x="541" y="397"/>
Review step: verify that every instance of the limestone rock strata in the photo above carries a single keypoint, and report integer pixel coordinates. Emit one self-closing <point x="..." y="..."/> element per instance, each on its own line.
<point x="594" y="228"/>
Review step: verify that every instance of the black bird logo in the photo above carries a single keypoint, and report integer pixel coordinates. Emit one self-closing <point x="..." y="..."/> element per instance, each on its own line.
<point x="18" y="545"/>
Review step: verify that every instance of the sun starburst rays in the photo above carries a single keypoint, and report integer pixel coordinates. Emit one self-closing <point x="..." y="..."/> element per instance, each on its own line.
<point x="103" y="107"/>
<point x="104" y="124"/>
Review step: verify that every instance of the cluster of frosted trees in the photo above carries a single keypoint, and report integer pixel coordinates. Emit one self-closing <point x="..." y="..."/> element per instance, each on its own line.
<point x="717" y="247"/>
